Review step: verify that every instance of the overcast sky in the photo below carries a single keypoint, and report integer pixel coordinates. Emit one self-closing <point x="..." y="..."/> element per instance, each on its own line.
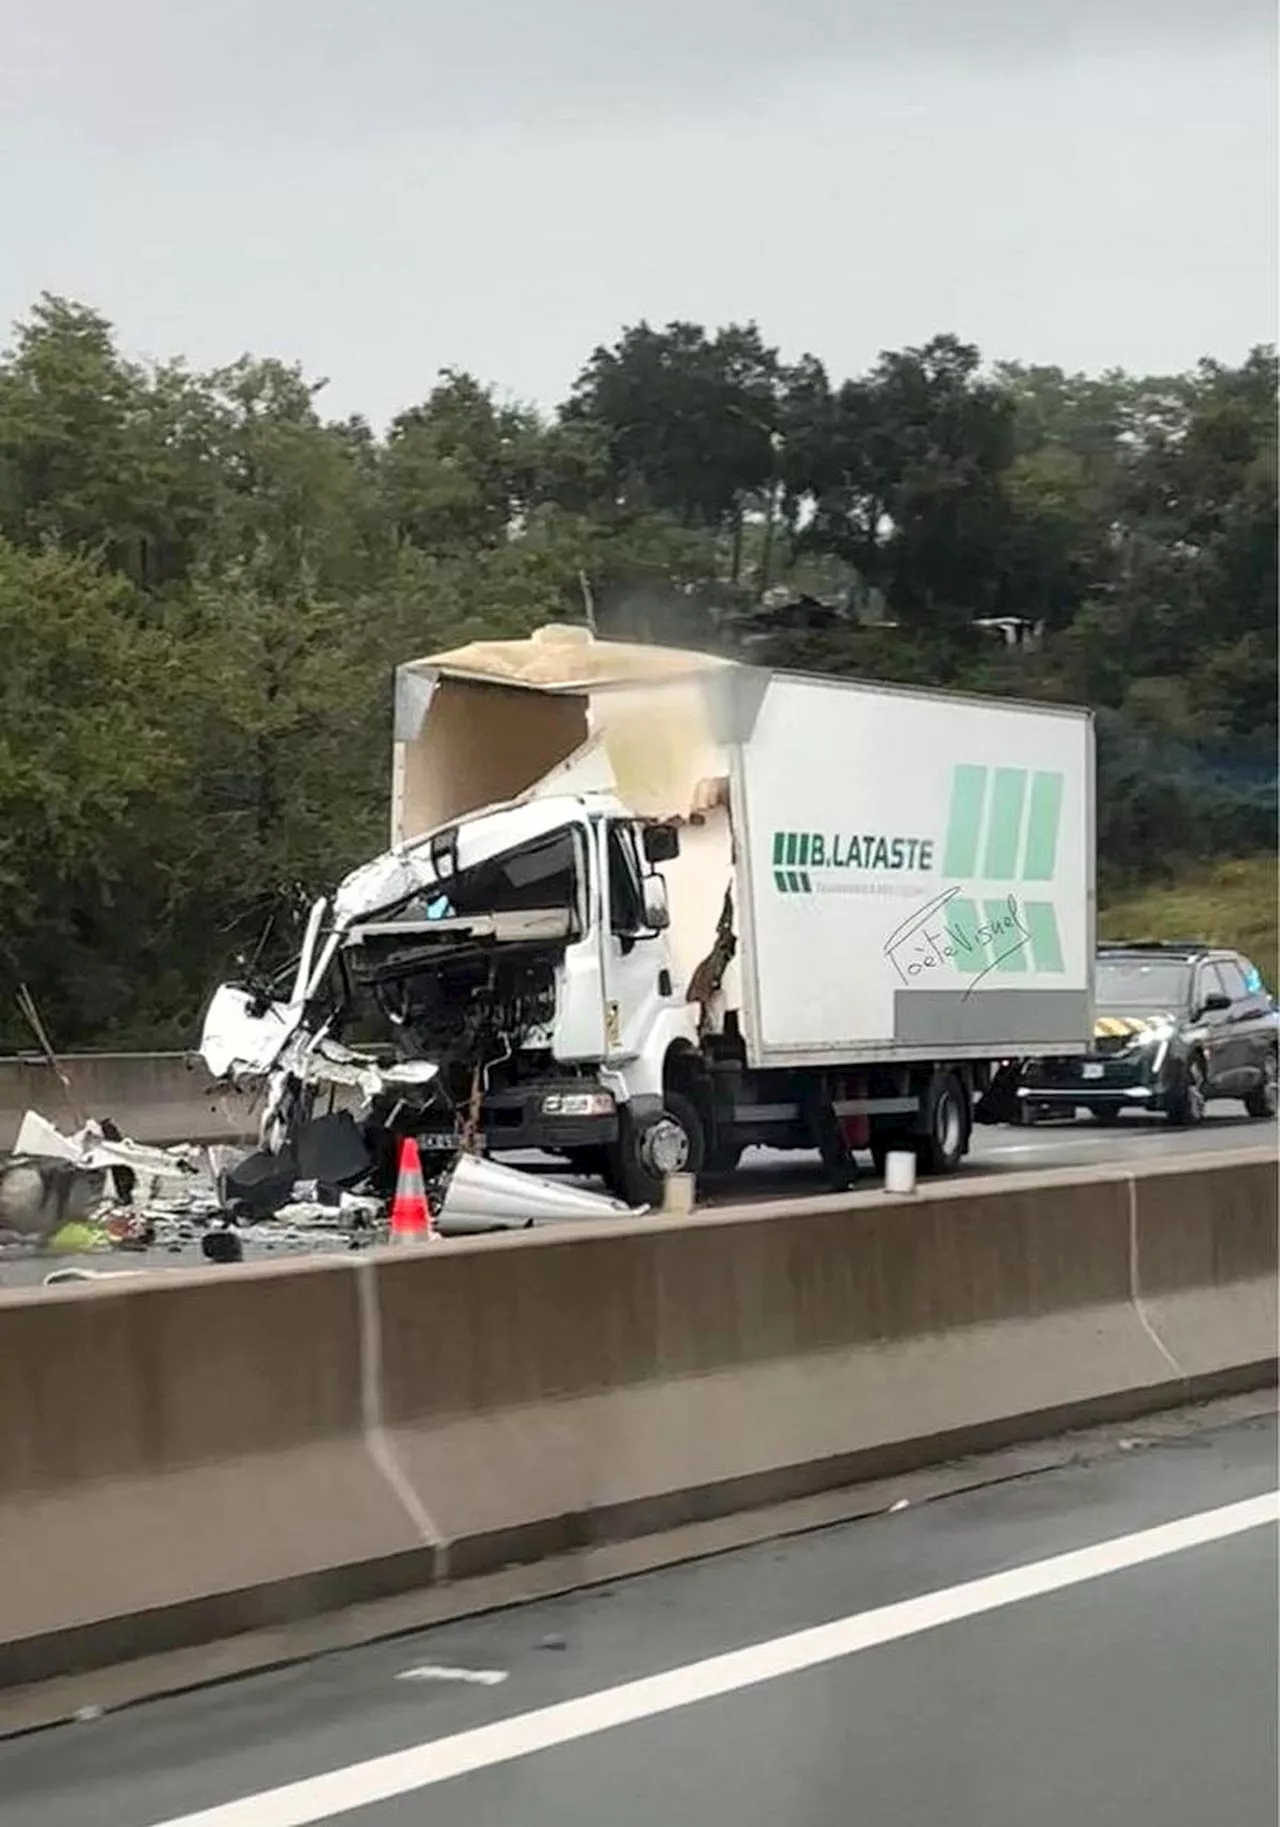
<point x="383" y="189"/>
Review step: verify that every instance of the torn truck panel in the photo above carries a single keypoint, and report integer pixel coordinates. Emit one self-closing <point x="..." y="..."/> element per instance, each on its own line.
<point x="244" y="1036"/>
<point x="481" y="724"/>
<point x="485" y="1195"/>
<point x="306" y="957"/>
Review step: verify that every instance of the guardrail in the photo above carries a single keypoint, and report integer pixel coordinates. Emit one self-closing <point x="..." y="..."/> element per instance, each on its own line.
<point x="187" y="1457"/>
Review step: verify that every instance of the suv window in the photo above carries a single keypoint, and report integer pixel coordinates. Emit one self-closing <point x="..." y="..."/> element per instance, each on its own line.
<point x="1233" y="979"/>
<point x="1208" y="983"/>
<point x="1252" y="977"/>
<point x="1126" y="982"/>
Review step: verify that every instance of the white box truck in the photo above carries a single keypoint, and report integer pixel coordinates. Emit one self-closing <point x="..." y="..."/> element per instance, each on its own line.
<point x="645" y="908"/>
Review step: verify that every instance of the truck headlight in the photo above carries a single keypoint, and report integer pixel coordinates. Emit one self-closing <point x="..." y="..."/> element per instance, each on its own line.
<point x="578" y="1104"/>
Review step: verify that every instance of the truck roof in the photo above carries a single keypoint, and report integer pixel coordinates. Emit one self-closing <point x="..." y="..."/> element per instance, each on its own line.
<point x="561" y="657"/>
<point x="568" y="659"/>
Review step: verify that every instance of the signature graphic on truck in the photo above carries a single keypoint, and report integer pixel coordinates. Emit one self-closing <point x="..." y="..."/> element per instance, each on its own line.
<point x="944" y="932"/>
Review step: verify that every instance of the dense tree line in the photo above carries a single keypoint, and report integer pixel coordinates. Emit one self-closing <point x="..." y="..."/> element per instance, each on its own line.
<point x="205" y="584"/>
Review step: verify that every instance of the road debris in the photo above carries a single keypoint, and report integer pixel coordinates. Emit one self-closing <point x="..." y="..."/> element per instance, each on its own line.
<point x="95" y="1192"/>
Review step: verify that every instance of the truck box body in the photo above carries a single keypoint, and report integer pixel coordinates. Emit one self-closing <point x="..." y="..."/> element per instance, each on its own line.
<point x="914" y="873"/>
<point x="911" y="872"/>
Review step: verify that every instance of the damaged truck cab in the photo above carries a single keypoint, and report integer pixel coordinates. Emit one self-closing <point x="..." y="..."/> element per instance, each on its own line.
<point x="645" y="908"/>
<point x="531" y="966"/>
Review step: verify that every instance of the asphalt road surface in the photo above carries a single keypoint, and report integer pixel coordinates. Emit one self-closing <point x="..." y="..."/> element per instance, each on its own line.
<point x="1095" y="1643"/>
<point x="767" y="1174"/>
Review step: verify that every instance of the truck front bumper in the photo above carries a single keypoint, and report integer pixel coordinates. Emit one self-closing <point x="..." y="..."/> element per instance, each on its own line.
<point x="556" y="1118"/>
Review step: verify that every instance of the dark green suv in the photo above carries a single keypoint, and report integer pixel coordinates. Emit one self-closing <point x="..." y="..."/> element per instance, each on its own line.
<point x="1175" y="1025"/>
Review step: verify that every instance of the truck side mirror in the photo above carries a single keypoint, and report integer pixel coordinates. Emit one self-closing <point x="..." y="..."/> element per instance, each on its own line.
<point x="661" y="843"/>
<point x="1215" y="1004"/>
<point x="657" y="910"/>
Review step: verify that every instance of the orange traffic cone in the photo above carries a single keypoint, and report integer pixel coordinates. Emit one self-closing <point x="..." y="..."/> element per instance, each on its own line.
<point x="410" y="1213"/>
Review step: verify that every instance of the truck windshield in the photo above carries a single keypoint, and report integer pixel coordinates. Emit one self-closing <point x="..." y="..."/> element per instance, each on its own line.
<point x="1139" y="983"/>
<point x="538" y="876"/>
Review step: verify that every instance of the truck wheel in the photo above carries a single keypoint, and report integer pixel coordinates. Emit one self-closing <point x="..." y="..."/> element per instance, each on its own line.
<point x="1264" y="1098"/>
<point x="941" y="1148"/>
<point x="672" y="1141"/>
<point x="1186" y="1102"/>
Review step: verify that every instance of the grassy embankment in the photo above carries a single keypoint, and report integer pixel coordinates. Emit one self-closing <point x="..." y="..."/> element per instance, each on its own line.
<point x="1232" y="904"/>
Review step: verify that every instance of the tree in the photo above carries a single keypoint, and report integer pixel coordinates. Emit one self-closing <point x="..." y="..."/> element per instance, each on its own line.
<point x="688" y="420"/>
<point x="88" y="788"/>
<point x="206" y="586"/>
<point x="904" y="473"/>
<point x="460" y="469"/>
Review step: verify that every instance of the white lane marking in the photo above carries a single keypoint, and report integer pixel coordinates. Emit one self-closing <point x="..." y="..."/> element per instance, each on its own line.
<point x="380" y="1779"/>
<point x="443" y="1671"/>
<point x="1082" y="1139"/>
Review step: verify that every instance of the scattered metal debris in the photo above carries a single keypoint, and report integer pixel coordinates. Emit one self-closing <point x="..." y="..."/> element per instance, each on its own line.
<point x="61" y="1195"/>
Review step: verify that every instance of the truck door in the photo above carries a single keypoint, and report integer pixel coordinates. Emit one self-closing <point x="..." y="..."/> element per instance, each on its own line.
<point x="635" y="958"/>
<point x="579" y="1024"/>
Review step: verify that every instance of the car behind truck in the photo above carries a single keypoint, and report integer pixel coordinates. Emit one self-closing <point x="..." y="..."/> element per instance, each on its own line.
<point x="1177" y="1025"/>
<point x="645" y="909"/>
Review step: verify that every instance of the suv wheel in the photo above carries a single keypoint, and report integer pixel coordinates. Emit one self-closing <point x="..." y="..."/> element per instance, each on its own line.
<point x="1264" y="1098"/>
<point x="1187" y="1103"/>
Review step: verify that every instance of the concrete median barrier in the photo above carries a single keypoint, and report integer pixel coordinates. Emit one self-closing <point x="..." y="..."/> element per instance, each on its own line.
<point x="182" y="1458"/>
<point x="573" y="1390"/>
<point x="154" y="1097"/>
<point x="190" y="1459"/>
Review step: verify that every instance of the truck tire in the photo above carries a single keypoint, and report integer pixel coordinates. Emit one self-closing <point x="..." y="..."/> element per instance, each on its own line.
<point x="945" y="1120"/>
<point x="1261" y="1100"/>
<point x="1186" y="1102"/>
<point x="671" y="1141"/>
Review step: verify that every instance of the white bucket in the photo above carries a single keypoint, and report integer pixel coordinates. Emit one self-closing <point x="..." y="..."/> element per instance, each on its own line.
<point x="900" y="1172"/>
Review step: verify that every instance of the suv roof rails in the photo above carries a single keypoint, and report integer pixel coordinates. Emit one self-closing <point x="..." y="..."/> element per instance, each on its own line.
<point x="1182" y="947"/>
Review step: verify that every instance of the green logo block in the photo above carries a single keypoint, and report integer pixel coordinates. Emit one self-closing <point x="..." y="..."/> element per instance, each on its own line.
<point x="1003" y="827"/>
<point x="791" y="862"/>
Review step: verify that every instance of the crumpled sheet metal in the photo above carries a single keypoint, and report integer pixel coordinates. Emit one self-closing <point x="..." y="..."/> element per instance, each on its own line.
<point x="484" y="1196"/>
<point x="176" y="1199"/>
<point x="91" y="1149"/>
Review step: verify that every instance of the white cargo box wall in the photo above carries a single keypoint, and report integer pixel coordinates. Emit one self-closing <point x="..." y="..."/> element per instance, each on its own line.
<point x="971" y="933"/>
<point x="915" y="871"/>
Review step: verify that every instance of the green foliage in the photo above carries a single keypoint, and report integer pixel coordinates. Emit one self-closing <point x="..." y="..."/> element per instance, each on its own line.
<point x="1232" y="904"/>
<point x="206" y="585"/>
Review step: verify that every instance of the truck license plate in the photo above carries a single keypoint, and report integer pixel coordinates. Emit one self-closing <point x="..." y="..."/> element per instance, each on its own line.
<point x="1092" y="1069"/>
<point x="445" y="1143"/>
